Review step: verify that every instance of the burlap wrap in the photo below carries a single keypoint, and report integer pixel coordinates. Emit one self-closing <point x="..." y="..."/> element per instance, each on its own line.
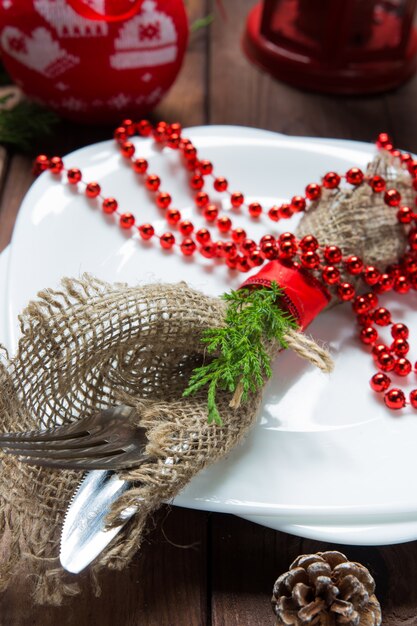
<point x="91" y="345"/>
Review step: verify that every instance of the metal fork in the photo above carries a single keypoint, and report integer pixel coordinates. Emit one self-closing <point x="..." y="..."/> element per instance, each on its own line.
<point x="106" y="440"/>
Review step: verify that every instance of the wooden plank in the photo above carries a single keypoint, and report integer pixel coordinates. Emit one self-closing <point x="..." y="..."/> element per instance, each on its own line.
<point x="401" y="111"/>
<point x="247" y="559"/>
<point x="19" y="178"/>
<point x="164" y="586"/>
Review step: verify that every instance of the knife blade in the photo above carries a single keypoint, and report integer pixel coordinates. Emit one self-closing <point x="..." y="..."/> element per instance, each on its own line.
<point x="84" y="535"/>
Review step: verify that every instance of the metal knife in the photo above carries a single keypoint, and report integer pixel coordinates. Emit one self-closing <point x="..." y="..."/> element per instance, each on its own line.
<point x="84" y="535"/>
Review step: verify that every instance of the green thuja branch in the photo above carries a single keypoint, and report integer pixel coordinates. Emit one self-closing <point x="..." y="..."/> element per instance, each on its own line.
<point x="241" y="362"/>
<point x="25" y="123"/>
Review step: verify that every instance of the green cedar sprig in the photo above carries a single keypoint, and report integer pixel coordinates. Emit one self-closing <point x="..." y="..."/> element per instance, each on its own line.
<point x="24" y="123"/>
<point x="252" y="318"/>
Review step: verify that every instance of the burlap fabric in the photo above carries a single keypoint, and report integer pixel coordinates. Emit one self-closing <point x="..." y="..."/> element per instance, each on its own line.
<point x="91" y="345"/>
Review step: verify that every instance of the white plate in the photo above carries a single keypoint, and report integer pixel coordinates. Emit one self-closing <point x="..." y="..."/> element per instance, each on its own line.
<point x="324" y="453"/>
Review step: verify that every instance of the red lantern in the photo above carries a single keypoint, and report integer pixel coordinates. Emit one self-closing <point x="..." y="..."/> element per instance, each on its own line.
<point x="336" y="46"/>
<point x="94" y="60"/>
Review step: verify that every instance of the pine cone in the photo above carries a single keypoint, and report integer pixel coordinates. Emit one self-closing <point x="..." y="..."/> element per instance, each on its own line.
<point x="325" y="589"/>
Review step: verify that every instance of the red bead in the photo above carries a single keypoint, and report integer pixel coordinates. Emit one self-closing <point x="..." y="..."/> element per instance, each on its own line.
<point x="404" y="215"/>
<point x="255" y="209"/>
<point x="186" y="228"/>
<point x="175" y="127"/>
<point x="201" y="199"/>
<point x="219" y="247"/>
<point x="371" y="275"/>
<point x="172" y="216"/>
<point x="308" y="244"/>
<point x="140" y="166"/>
<point x="354" y="265"/>
<point x="402" y="366"/>
<point x="196" y="182"/>
<point x="399" y="331"/>
<point x="129" y="126"/>
<point x="400" y="347"/>
<point x="361" y="305"/>
<point x="401" y="285"/>
<point x="270" y="250"/>
<point x="378" y="184"/>
<point x="385" y="361"/>
<point x="92" y="190"/>
<point x="310" y="260"/>
<point x="364" y="319"/>
<point x="229" y="249"/>
<point x="346" y="291"/>
<point x="413" y="398"/>
<point x="210" y="212"/>
<point x="144" y="128"/>
<point x="286" y="237"/>
<point x="368" y="335"/>
<point x="288" y="249"/>
<point x="159" y="133"/>
<point x="231" y="263"/>
<point x="394" y="399"/>
<point x="127" y="149"/>
<point x="382" y="317"/>
<point x="167" y="240"/>
<point x="380" y="382"/>
<point x="109" y="205"/>
<point x="146" y="231"/>
<point x="383" y="140"/>
<point x="205" y="167"/>
<point x="189" y="152"/>
<point x="41" y="164"/>
<point x="152" y="182"/>
<point x="126" y="220"/>
<point x="173" y="141"/>
<point x="372" y="299"/>
<point x="333" y="254"/>
<point x="256" y="258"/>
<point x="208" y="250"/>
<point x="405" y="158"/>
<point x="284" y="211"/>
<point x="238" y="235"/>
<point x="242" y="264"/>
<point x="379" y="349"/>
<point x="220" y="184"/>
<point x="56" y="165"/>
<point x="273" y="213"/>
<point x="163" y="200"/>
<point x="330" y="275"/>
<point x="266" y="239"/>
<point x="385" y="283"/>
<point x="392" y="197"/>
<point x="187" y="247"/>
<point x="74" y="176"/>
<point x="354" y="176"/>
<point x="313" y="191"/>
<point x="203" y="236"/>
<point x="298" y="204"/>
<point x="248" y="245"/>
<point x="224" y="224"/>
<point x="237" y="199"/>
<point x="191" y="165"/>
<point x="120" y="134"/>
<point x="331" y="180"/>
<point x="410" y="263"/>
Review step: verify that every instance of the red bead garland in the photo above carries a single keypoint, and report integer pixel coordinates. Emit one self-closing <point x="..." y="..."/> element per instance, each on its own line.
<point x="241" y="253"/>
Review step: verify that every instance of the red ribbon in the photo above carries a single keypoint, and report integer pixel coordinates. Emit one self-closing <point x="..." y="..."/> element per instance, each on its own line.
<point x="303" y="295"/>
<point x="85" y="11"/>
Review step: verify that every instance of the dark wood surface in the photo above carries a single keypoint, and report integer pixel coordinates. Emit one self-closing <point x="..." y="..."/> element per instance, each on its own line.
<point x="226" y="577"/>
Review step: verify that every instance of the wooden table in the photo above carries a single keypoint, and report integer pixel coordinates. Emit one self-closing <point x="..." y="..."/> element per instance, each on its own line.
<point x="225" y="578"/>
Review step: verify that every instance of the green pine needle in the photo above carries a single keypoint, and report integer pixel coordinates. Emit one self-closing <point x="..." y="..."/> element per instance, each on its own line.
<point x="252" y="318"/>
<point x="24" y="123"/>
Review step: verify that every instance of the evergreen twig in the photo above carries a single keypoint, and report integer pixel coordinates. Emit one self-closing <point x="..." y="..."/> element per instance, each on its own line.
<point x="24" y="123"/>
<point x="252" y="318"/>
